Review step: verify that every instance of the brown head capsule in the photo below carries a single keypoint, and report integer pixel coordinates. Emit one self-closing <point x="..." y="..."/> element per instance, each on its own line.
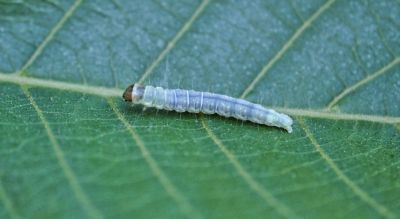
<point x="128" y="93"/>
<point x="133" y="93"/>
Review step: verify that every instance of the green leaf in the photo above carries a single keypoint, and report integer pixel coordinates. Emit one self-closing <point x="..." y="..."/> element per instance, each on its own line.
<point x="71" y="148"/>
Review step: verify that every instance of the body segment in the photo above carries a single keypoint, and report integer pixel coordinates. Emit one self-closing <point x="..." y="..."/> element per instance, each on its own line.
<point x="209" y="103"/>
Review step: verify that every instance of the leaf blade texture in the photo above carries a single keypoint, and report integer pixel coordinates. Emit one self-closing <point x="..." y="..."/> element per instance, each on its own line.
<point x="70" y="147"/>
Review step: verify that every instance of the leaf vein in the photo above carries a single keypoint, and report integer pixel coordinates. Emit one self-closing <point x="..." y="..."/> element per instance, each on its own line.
<point x="113" y="92"/>
<point x="362" y="82"/>
<point x="166" y="183"/>
<point x="252" y="183"/>
<point x="49" y="37"/>
<point x="69" y="174"/>
<point x="364" y="196"/>
<point x="7" y="202"/>
<point x="171" y="44"/>
<point x="286" y="47"/>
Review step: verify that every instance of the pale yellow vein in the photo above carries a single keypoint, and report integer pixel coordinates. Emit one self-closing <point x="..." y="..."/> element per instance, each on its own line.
<point x="253" y="184"/>
<point x="364" y="196"/>
<point x="49" y="37"/>
<point x="7" y="202"/>
<point x="315" y="113"/>
<point x="169" y="187"/>
<point x="174" y="40"/>
<point x="363" y="82"/>
<point x="86" y="89"/>
<point x="286" y="46"/>
<point x="113" y="92"/>
<point x="69" y="174"/>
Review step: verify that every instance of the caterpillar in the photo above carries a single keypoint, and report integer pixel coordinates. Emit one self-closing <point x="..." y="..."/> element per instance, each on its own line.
<point x="205" y="102"/>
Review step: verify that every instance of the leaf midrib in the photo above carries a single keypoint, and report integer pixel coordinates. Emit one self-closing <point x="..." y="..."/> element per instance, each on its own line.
<point x="114" y="92"/>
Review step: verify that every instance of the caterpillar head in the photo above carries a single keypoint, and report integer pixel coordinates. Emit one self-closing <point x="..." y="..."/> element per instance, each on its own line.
<point x="133" y="93"/>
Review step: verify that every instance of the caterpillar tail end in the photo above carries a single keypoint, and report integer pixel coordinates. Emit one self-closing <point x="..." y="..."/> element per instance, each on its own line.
<point x="289" y="129"/>
<point x="287" y="123"/>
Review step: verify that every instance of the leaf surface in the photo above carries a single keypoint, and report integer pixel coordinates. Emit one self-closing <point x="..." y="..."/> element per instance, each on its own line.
<point x="71" y="148"/>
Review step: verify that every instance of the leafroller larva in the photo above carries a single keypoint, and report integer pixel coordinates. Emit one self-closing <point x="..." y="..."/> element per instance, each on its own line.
<point x="205" y="102"/>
